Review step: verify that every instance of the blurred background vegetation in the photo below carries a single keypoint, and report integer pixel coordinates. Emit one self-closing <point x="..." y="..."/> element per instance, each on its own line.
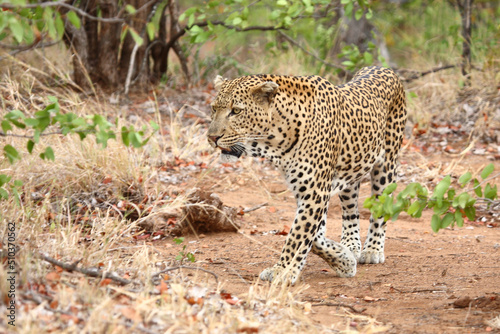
<point x="122" y="45"/>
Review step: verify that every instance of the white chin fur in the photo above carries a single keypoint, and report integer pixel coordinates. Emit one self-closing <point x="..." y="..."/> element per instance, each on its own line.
<point x="227" y="158"/>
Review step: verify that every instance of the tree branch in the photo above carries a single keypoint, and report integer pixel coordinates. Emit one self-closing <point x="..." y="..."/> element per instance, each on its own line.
<point x="22" y="48"/>
<point x="3" y="134"/>
<point x="63" y="5"/>
<point x="417" y="75"/>
<point x="89" y="272"/>
<point x="186" y="28"/>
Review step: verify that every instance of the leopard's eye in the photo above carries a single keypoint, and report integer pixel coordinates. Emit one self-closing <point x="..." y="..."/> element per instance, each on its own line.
<point x="235" y="111"/>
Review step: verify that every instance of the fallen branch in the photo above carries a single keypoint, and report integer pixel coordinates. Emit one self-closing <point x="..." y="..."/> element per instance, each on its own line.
<point x="352" y="308"/>
<point x="186" y="267"/>
<point x="417" y="290"/>
<point x="254" y="208"/>
<point x="3" y="134"/>
<point x="89" y="272"/>
<point x="417" y="75"/>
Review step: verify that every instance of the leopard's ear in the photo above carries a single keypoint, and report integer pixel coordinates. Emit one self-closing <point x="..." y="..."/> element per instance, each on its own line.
<point x="266" y="90"/>
<point x="218" y="81"/>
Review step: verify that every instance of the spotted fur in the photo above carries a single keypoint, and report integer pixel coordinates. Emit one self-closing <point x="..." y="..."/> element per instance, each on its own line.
<point x="324" y="139"/>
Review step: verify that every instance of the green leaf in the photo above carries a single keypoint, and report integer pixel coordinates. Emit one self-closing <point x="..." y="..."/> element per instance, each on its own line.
<point x="137" y="38"/>
<point x="30" y="146"/>
<point x="48" y="154"/>
<point x="135" y="139"/>
<point x="369" y="14"/>
<point x="487" y="171"/>
<point x="348" y="63"/>
<point x="11" y="153"/>
<point x="130" y="9"/>
<point x="191" y="20"/>
<point x="3" y="193"/>
<point x="154" y="125"/>
<point x="451" y="194"/>
<point x="465" y="178"/>
<point x="203" y="37"/>
<point x="447" y="220"/>
<point x="388" y="206"/>
<point x="17" y="29"/>
<point x="441" y="189"/>
<point x="179" y="240"/>
<point x="368" y="58"/>
<point x="6" y="126"/>
<point x="14" y="114"/>
<point x="237" y="20"/>
<point x="435" y="223"/>
<point x="470" y="212"/>
<point x="477" y="188"/>
<point x="459" y="219"/>
<point x="151" y="29"/>
<point x="359" y="14"/>
<point x="4" y="179"/>
<point x="33" y="122"/>
<point x="50" y="22"/>
<point x="190" y="11"/>
<point x="462" y="200"/>
<point x="125" y="133"/>
<point x="74" y="19"/>
<point x="413" y="208"/>
<point x="390" y="188"/>
<point x="368" y="203"/>
<point x="59" y="25"/>
<point x="490" y="192"/>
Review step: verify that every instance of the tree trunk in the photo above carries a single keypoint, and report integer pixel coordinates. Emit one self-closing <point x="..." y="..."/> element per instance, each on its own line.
<point x="466" y="13"/>
<point x="109" y="42"/>
<point x="101" y="57"/>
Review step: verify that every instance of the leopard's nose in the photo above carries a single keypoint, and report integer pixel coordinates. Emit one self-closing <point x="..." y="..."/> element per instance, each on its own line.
<point x="213" y="140"/>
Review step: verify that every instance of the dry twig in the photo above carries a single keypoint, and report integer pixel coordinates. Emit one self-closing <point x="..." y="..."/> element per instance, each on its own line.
<point x="352" y="308"/>
<point x="89" y="272"/>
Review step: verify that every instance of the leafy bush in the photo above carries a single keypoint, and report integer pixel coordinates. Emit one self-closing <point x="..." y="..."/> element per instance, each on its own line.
<point x="60" y="124"/>
<point x="450" y="205"/>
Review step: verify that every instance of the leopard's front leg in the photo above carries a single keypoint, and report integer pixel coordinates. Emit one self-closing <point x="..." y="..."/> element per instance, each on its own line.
<point x="308" y="232"/>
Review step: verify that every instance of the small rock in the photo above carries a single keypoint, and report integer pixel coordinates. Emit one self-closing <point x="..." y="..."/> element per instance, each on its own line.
<point x="462" y="302"/>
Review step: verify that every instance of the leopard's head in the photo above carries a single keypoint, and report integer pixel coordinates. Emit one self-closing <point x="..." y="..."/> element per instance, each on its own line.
<point x="241" y="114"/>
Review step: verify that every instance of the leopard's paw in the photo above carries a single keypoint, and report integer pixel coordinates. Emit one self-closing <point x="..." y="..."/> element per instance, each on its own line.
<point x="371" y="257"/>
<point x="277" y="272"/>
<point x="345" y="266"/>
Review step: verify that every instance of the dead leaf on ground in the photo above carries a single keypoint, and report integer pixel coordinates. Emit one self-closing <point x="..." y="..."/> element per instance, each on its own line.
<point x="248" y="330"/>
<point x="285" y="231"/>
<point x="53" y="276"/>
<point x="105" y="282"/>
<point x="131" y="314"/>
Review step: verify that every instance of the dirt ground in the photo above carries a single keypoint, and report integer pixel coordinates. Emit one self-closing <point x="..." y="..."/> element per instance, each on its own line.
<point x="430" y="283"/>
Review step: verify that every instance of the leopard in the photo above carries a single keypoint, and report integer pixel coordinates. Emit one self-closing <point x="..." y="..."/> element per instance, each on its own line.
<point x="324" y="139"/>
